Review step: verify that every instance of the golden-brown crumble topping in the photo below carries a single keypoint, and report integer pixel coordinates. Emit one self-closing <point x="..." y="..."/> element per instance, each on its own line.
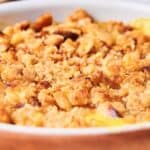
<point x="77" y="73"/>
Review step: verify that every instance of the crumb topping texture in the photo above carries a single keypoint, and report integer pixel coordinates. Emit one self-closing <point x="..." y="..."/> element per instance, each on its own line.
<point x="64" y="74"/>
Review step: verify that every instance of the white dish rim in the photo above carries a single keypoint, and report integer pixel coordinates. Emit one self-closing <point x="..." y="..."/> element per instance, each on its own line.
<point x="23" y="5"/>
<point x="44" y="131"/>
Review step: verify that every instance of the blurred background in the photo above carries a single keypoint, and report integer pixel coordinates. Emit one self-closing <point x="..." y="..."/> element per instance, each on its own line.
<point x="141" y="1"/>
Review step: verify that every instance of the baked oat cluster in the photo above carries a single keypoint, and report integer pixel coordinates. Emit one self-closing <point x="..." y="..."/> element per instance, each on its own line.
<point x="77" y="73"/>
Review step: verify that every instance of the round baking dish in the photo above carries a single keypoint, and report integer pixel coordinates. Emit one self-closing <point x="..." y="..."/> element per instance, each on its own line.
<point x="131" y="137"/>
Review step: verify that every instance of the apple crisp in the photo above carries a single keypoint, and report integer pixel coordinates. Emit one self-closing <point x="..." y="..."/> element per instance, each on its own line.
<point x="77" y="73"/>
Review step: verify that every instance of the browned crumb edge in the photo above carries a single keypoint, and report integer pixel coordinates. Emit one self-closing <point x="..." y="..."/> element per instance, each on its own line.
<point x="56" y="74"/>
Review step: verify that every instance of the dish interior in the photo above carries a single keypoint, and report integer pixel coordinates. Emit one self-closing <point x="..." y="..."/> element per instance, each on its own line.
<point x="79" y="73"/>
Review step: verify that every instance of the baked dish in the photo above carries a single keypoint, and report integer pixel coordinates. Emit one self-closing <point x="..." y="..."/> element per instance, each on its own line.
<point x="77" y="73"/>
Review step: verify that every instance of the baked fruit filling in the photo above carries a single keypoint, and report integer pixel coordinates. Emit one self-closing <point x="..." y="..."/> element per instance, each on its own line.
<point x="77" y="73"/>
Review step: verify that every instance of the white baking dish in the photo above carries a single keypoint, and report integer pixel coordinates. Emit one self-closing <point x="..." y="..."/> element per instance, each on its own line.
<point x="28" y="138"/>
